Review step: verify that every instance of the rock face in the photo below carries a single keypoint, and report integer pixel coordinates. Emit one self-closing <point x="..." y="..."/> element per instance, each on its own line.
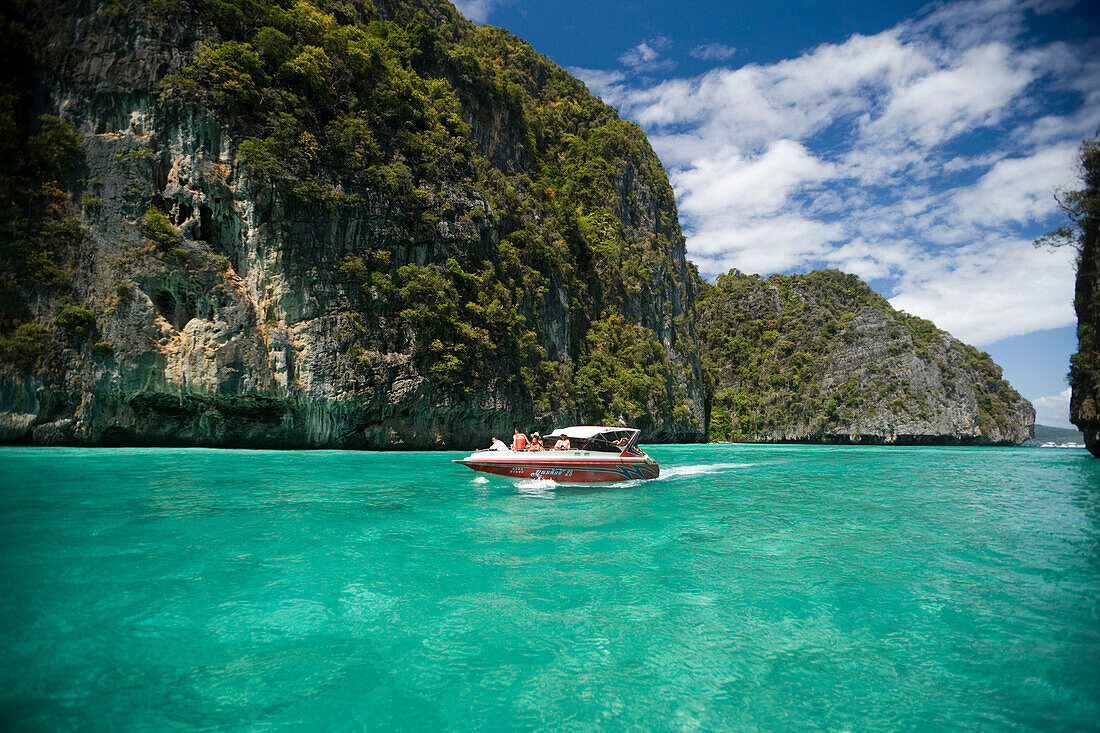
<point x="372" y="227"/>
<point x="822" y="358"/>
<point x="356" y="225"/>
<point x="1084" y="375"/>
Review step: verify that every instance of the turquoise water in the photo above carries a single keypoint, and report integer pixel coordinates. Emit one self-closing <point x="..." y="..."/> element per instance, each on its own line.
<point x="749" y="588"/>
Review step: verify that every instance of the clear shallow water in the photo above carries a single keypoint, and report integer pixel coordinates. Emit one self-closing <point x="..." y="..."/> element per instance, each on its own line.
<point x="750" y="588"/>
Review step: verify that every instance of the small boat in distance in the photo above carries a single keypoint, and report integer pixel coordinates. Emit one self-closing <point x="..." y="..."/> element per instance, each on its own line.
<point x="596" y="455"/>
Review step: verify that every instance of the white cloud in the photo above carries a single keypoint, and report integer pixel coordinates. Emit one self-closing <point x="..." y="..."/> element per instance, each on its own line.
<point x="1053" y="411"/>
<point x="727" y="183"/>
<point x="750" y="106"/>
<point x="646" y="56"/>
<point x="941" y="105"/>
<point x="761" y="246"/>
<point x="985" y="292"/>
<point x="477" y="10"/>
<point x="924" y="157"/>
<point x="1018" y="189"/>
<point x="713" y="52"/>
<point x="599" y="82"/>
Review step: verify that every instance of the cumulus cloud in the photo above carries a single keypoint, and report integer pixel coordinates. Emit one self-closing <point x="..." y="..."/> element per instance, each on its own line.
<point x="725" y="182"/>
<point x="1053" y="410"/>
<point x="924" y="158"/>
<point x="934" y="108"/>
<point x="477" y="10"/>
<point x="599" y="82"/>
<point x="1016" y="189"/>
<point x="647" y="56"/>
<point x="985" y="292"/>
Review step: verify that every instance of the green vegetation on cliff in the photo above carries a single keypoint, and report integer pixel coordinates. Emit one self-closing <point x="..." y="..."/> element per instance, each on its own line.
<point x="343" y="101"/>
<point x="1083" y="208"/>
<point x="40" y="233"/>
<point x="822" y="357"/>
<point x="353" y="224"/>
<point x="463" y="225"/>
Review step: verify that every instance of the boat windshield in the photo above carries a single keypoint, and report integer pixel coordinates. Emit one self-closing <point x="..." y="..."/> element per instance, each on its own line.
<point x="610" y="441"/>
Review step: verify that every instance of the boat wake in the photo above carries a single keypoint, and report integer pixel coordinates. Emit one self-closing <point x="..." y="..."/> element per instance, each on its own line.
<point x="537" y="487"/>
<point x="545" y="488"/>
<point x="681" y="471"/>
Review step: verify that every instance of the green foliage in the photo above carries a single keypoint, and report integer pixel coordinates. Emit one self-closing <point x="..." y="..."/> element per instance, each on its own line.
<point x="923" y="332"/>
<point x="624" y="372"/>
<point x="40" y="232"/>
<point x="273" y="46"/>
<point x="423" y="118"/>
<point x="351" y="138"/>
<point x="232" y="73"/>
<point x="75" y="321"/>
<point x="767" y="346"/>
<point x="1082" y="207"/>
<point x="159" y="230"/>
<point x="432" y="312"/>
<point x="55" y="147"/>
<point x="995" y="398"/>
<point x="27" y="347"/>
<point x="354" y="269"/>
<point x="464" y="322"/>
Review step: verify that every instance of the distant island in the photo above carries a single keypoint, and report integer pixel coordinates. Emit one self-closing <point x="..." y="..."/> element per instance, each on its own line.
<point x="383" y="226"/>
<point x="823" y="358"/>
<point x="1046" y="435"/>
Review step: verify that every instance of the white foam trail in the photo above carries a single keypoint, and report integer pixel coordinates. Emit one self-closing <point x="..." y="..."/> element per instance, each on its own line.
<point x="541" y="488"/>
<point x="480" y="480"/>
<point x="698" y="470"/>
<point x="536" y="483"/>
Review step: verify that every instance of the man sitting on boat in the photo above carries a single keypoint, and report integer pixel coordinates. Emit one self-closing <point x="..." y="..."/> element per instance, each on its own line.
<point x="562" y="444"/>
<point x="519" y="441"/>
<point x="497" y="444"/>
<point x="536" y="442"/>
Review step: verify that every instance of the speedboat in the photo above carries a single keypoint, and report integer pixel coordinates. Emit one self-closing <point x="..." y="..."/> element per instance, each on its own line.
<point x="595" y="455"/>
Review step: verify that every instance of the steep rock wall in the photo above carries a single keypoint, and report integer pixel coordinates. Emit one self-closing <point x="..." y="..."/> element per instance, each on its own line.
<point x="1084" y="375"/>
<point x="234" y="305"/>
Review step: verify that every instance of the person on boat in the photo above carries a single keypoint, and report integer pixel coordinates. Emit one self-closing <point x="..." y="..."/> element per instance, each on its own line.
<point x="519" y="441"/>
<point x="497" y="444"/>
<point x="562" y="444"/>
<point x="536" y="442"/>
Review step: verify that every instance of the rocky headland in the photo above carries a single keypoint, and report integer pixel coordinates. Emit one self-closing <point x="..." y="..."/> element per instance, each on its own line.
<point x="358" y="225"/>
<point x="381" y="226"/>
<point x="822" y="358"/>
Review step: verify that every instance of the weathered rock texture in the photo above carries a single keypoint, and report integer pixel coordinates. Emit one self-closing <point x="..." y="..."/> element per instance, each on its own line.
<point x="822" y="358"/>
<point x="357" y="225"/>
<point x="272" y="246"/>
<point x="1084" y="376"/>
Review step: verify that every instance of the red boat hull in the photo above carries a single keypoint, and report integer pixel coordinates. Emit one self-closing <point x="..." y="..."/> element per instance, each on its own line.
<point x="569" y="472"/>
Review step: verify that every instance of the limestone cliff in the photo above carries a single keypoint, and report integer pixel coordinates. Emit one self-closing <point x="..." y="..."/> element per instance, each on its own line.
<point x="823" y="358"/>
<point x="325" y="225"/>
<point x="1083" y="206"/>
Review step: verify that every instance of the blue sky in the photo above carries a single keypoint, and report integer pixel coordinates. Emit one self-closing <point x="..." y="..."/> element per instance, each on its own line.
<point x="916" y="145"/>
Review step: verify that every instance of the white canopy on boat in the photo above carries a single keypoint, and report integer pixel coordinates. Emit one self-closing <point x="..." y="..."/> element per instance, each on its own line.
<point x="584" y="432"/>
